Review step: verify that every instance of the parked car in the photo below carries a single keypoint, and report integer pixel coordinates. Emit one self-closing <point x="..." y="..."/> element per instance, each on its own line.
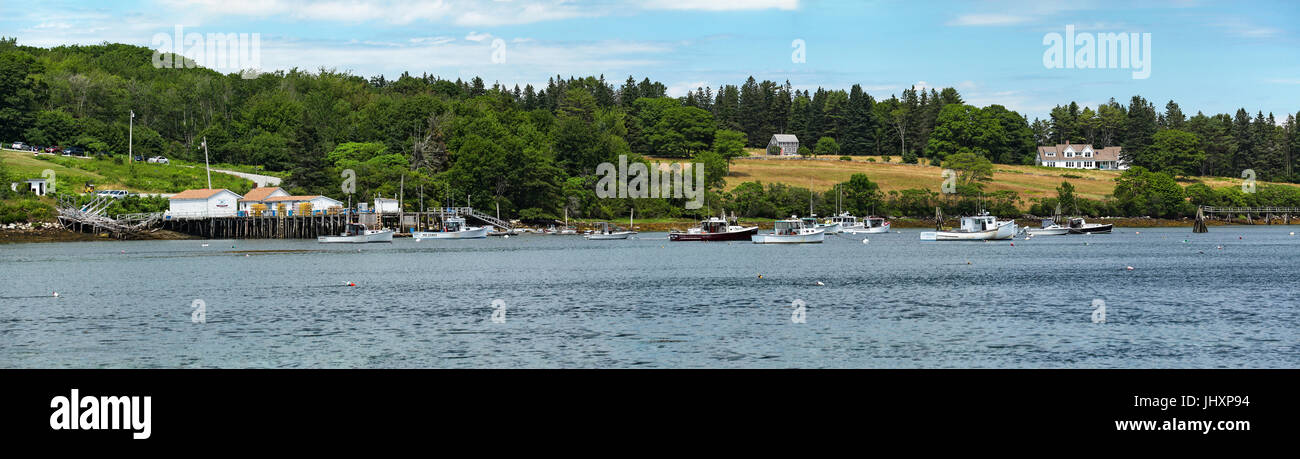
<point x="74" y="151"/>
<point x="159" y="160"/>
<point x="119" y="194"/>
<point x="18" y="146"/>
<point x="53" y="149"/>
<point x="137" y="158"/>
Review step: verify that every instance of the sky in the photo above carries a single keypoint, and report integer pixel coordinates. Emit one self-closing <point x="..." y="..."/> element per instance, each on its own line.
<point x="1208" y="56"/>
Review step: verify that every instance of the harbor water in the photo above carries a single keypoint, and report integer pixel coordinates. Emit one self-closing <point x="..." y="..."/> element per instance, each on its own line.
<point x="1228" y="298"/>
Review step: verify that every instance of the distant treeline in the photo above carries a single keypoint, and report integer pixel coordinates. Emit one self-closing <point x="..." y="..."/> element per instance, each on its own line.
<point x="533" y="150"/>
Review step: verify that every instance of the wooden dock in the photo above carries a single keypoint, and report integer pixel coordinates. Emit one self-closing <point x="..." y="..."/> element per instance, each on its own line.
<point x="1248" y="214"/>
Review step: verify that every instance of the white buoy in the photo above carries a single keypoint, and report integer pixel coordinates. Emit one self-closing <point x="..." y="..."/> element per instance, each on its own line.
<point x="1293" y="233"/>
<point x="56" y="294"/>
<point x="1130" y="268"/>
<point x="820" y="283"/>
<point x="205" y="245"/>
<point x="864" y="241"/>
<point x="506" y="236"/>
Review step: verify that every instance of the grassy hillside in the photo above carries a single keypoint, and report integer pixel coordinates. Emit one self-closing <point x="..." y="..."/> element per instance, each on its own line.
<point x="108" y="174"/>
<point x="1030" y="182"/>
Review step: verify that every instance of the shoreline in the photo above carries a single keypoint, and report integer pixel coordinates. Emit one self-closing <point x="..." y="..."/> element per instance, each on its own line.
<point x="50" y="232"/>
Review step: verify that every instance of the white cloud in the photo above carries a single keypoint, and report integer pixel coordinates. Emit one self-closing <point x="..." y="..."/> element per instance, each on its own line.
<point x="988" y="19"/>
<point x="477" y="37"/>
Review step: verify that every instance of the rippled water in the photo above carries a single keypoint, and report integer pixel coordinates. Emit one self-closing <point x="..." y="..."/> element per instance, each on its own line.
<point x="894" y="302"/>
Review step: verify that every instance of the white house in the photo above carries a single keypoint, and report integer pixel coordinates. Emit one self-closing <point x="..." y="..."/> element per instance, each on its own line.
<point x="204" y="203"/>
<point x="786" y="144"/>
<point x="293" y="203"/>
<point x="1076" y="156"/>
<point x="259" y="196"/>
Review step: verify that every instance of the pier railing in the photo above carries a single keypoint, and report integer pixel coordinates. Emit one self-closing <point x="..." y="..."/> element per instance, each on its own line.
<point x="1250" y="210"/>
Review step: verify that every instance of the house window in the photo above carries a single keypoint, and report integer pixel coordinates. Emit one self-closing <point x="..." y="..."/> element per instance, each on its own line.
<point x="1087" y="154"/>
<point x="1051" y="154"/>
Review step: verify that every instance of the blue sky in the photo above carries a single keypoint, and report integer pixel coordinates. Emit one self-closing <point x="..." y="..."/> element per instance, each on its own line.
<point x="1208" y="56"/>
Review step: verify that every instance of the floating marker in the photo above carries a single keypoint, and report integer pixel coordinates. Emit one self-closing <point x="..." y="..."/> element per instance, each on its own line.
<point x="820" y="283"/>
<point x="56" y="294"/>
<point x="864" y="241"/>
<point x="352" y="284"/>
<point x="1130" y="268"/>
<point x="760" y="276"/>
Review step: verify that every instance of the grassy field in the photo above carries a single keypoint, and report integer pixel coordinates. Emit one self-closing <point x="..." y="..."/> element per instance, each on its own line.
<point x="1028" y="181"/>
<point x="107" y="174"/>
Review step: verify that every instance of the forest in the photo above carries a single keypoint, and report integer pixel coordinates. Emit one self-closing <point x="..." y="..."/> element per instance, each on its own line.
<point x="533" y="151"/>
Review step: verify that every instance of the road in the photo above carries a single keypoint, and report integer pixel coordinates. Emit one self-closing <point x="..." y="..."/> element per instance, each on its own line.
<point x="260" y="180"/>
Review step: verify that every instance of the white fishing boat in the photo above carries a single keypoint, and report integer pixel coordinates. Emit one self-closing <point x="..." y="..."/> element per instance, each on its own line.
<point x="829" y="227"/>
<point x="978" y="228"/>
<point x="604" y="232"/>
<point x="1049" y="228"/>
<point x="357" y="233"/>
<point x="791" y="231"/>
<point x="869" y="225"/>
<point x="453" y="228"/>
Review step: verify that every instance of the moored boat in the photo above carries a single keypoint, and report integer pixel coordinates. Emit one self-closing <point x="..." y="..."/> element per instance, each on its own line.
<point x="453" y="228"/>
<point x="715" y="229"/>
<point x="1079" y="226"/>
<point x="868" y="225"/>
<point x="977" y="228"/>
<point x="829" y="227"/>
<point x="356" y="233"/>
<point x="791" y="231"/>
<point x="1049" y="228"/>
<point x="606" y="232"/>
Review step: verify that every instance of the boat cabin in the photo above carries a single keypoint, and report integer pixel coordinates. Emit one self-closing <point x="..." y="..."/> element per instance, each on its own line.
<point x="1077" y="223"/>
<point x="977" y="224"/>
<point x="354" y="229"/>
<point x="788" y="227"/>
<point x="874" y="222"/>
<point x="846" y="220"/>
<point x="809" y="221"/>
<point x="453" y="224"/>
<point x="1048" y="223"/>
<point x="713" y="225"/>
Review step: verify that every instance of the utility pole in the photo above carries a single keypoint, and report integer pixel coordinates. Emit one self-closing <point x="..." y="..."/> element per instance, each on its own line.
<point x="205" y="161"/>
<point x="130" y="141"/>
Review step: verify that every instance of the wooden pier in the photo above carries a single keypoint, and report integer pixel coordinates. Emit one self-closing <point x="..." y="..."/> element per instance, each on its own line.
<point x="1248" y="214"/>
<point x="314" y="225"/>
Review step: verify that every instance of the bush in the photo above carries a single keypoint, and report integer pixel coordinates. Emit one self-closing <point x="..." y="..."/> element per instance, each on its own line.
<point x="846" y="158"/>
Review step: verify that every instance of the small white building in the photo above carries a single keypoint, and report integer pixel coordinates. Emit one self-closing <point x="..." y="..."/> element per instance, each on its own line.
<point x="386" y="206"/>
<point x="786" y="144"/>
<point x="1075" y="156"/>
<point x="260" y="196"/>
<point x="204" y="203"/>
<point x="38" y="186"/>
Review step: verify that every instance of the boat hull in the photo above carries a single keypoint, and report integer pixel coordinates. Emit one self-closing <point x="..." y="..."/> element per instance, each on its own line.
<point x="1092" y="229"/>
<point x="1047" y="231"/>
<point x="740" y="235"/>
<point x="475" y="233"/>
<point x="382" y="236"/>
<point x="608" y="236"/>
<point x="833" y="228"/>
<point x="865" y="230"/>
<point x="1006" y="231"/>
<point x="809" y="238"/>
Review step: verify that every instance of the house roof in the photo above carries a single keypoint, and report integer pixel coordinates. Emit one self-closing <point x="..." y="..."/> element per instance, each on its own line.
<point x="203" y="193"/>
<point x="292" y="198"/>
<point x="1098" y="154"/>
<point x="259" y="194"/>
<point x="785" y="138"/>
